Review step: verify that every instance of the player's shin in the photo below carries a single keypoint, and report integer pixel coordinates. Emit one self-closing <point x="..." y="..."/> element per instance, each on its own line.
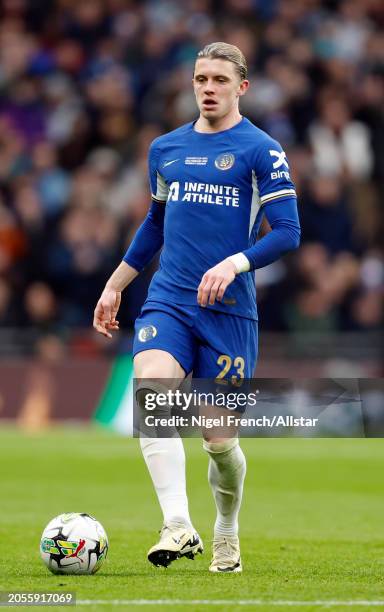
<point x="226" y="473"/>
<point x="165" y="459"/>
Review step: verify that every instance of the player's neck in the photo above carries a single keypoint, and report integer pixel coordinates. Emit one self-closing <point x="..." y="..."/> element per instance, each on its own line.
<point x="217" y="125"/>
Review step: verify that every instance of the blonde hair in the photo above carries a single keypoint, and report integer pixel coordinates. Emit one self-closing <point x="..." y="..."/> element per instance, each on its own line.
<point x="222" y="50"/>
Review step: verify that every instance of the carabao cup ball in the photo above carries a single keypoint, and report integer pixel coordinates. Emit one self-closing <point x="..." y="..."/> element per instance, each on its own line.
<point x="74" y="543"/>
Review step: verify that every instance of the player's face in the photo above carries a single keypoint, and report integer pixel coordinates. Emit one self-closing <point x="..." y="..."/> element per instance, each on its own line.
<point x="217" y="87"/>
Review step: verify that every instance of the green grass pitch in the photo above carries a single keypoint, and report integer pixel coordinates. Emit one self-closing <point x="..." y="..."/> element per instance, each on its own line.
<point x="311" y="522"/>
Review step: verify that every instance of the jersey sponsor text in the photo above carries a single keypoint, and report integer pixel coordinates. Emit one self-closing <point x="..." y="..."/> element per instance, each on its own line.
<point x="205" y="193"/>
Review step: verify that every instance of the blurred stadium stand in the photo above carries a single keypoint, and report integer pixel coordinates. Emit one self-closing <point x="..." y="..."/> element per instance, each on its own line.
<point x="87" y="84"/>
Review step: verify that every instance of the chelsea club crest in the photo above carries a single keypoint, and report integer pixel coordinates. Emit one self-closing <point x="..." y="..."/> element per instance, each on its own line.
<point x="147" y="333"/>
<point x="225" y="161"/>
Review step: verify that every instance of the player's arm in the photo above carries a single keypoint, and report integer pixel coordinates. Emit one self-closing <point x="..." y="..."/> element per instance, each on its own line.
<point x="104" y="316"/>
<point x="146" y="243"/>
<point x="283" y="237"/>
<point x="278" y="200"/>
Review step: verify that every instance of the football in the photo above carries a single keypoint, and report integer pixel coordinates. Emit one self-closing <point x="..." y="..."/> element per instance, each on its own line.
<point x="74" y="543"/>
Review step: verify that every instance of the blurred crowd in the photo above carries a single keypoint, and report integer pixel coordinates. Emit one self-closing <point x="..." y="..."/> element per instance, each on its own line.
<point x="87" y="84"/>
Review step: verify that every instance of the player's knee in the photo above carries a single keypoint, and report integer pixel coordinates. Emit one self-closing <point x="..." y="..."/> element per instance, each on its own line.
<point x="147" y="394"/>
<point x="222" y="446"/>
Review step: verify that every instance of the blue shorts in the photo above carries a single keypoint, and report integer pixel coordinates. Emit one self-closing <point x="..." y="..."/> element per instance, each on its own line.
<point x="212" y="344"/>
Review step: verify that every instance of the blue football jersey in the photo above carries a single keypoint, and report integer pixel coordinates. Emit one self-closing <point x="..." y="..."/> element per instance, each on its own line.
<point x="214" y="187"/>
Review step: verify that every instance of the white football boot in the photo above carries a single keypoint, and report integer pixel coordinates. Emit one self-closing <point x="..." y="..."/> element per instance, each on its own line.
<point x="176" y="540"/>
<point x="226" y="555"/>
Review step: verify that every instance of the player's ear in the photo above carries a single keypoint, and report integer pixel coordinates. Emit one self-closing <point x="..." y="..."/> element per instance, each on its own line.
<point x="243" y="87"/>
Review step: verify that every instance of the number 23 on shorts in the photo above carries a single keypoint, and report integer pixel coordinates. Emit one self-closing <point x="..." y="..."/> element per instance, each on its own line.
<point x="226" y="363"/>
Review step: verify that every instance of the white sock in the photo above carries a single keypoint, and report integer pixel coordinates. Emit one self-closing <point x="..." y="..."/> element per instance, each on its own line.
<point x="226" y="473"/>
<point x="165" y="460"/>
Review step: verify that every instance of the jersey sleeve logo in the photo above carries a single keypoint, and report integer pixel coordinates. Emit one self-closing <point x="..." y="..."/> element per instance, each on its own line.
<point x="225" y="161"/>
<point x="281" y="158"/>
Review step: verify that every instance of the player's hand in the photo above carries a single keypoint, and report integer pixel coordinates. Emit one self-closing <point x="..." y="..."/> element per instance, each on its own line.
<point x="215" y="281"/>
<point x="104" y="319"/>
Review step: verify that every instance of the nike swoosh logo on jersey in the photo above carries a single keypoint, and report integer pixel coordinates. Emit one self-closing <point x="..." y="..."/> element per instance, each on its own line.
<point x="168" y="163"/>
